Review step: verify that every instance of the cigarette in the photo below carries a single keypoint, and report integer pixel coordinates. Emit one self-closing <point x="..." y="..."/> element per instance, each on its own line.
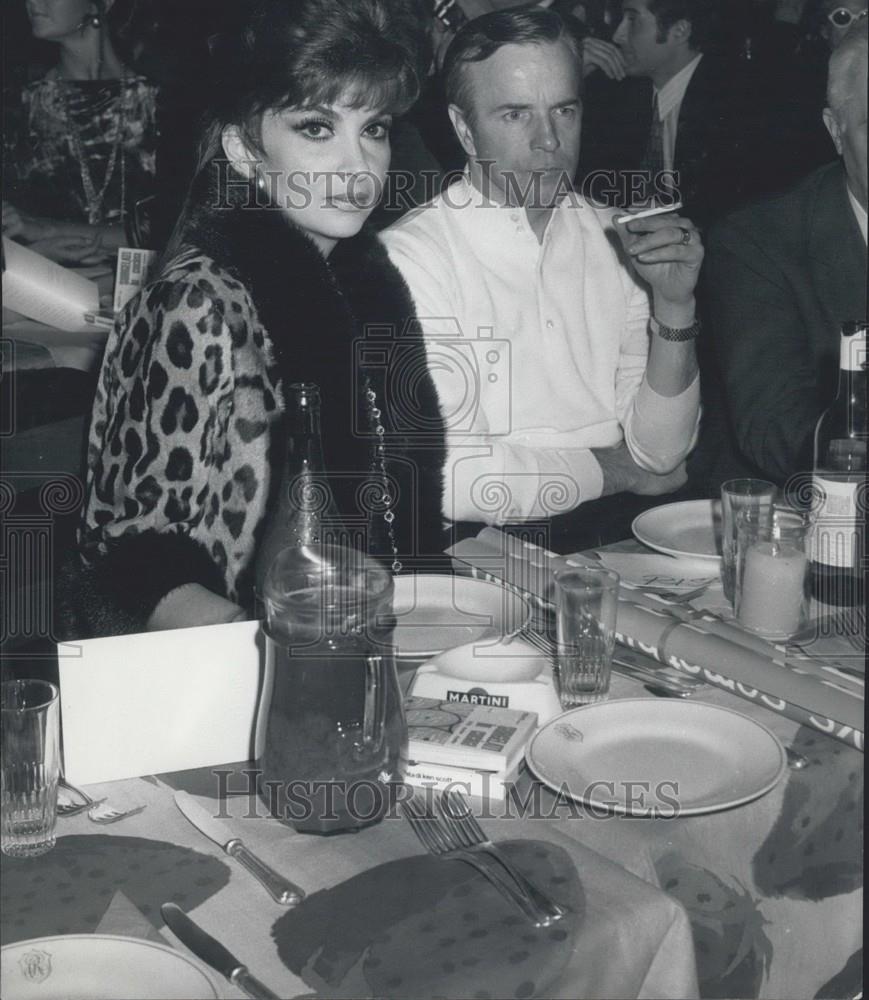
<point x="647" y="213"/>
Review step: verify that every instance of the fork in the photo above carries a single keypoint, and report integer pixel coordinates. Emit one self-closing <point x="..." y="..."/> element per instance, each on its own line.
<point x="436" y="840"/>
<point x="466" y="831"/>
<point x="97" y="809"/>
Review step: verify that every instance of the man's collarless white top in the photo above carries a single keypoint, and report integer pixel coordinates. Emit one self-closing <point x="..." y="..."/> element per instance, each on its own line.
<point x="859" y="213"/>
<point x="537" y="350"/>
<point x="670" y="98"/>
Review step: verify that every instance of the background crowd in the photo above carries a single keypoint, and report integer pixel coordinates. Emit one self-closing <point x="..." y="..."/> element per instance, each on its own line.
<point x="116" y="111"/>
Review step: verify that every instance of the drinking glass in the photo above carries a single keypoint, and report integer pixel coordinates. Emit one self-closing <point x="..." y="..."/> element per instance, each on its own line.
<point x="738" y="495"/>
<point x="772" y="570"/>
<point x="587" y="605"/>
<point x="29" y="767"/>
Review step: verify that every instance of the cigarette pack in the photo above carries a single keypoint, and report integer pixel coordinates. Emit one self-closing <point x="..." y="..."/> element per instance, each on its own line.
<point x="491" y="785"/>
<point x="463" y="734"/>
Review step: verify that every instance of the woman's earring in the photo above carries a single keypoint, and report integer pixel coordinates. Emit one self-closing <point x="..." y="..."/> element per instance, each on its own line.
<point x="95" y="21"/>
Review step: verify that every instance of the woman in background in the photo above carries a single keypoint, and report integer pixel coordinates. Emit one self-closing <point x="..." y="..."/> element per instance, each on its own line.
<point x="82" y="151"/>
<point x="268" y="280"/>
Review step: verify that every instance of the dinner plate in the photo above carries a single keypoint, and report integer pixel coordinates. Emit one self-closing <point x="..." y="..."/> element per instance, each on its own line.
<point x="643" y="757"/>
<point x="100" y="967"/>
<point x="434" y="612"/>
<point x="689" y="528"/>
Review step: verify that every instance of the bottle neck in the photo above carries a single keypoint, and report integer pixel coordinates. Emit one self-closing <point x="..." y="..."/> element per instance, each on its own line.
<point x="852" y="351"/>
<point x="303" y="427"/>
<point x="852" y="365"/>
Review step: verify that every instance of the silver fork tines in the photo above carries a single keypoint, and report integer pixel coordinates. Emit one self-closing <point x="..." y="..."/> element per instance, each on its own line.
<point x="98" y="810"/>
<point x="469" y="834"/>
<point x="436" y="839"/>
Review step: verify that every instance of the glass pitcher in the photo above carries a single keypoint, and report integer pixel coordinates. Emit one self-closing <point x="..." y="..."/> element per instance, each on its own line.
<point x="336" y="737"/>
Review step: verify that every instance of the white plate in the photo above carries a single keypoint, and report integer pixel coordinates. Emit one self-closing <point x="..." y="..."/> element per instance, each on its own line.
<point x="435" y="612"/>
<point x="644" y="757"/>
<point x="690" y="528"/>
<point x="100" y="967"/>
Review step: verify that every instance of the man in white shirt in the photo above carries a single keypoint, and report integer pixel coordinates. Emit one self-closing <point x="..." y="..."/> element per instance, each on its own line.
<point x="557" y="385"/>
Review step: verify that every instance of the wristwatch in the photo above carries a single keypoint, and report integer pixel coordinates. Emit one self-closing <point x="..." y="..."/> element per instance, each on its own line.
<point x="677" y="334"/>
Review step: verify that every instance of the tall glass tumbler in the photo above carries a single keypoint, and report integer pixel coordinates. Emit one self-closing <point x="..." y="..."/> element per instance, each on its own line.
<point x="587" y="605"/>
<point x="772" y="571"/>
<point x="29" y="766"/>
<point x="738" y="495"/>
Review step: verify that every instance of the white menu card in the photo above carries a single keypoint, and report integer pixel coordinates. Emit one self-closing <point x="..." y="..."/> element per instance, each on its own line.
<point x="134" y="705"/>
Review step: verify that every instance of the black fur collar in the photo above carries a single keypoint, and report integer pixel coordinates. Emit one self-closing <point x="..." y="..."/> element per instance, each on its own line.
<point x="322" y="318"/>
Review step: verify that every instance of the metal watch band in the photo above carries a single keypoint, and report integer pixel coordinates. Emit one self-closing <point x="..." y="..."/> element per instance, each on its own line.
<point x="676" y="334"/>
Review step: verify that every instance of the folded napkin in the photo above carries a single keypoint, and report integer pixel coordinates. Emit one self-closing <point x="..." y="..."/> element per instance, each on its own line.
<point x="66" y="891"/>
<point x="434" y="927"/>
<point x="124" y="919"/>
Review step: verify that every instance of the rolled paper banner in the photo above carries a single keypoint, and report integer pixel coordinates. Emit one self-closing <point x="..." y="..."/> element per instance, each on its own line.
<point x="699" y="643"/>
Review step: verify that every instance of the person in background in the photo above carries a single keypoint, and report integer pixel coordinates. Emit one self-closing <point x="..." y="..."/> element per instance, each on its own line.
<point x="268" y="280"/>
<point x="781" y="277"/>
<point x="82" y="151"/>
<point x="685" y="106"/>
<point x="576" y="393"/>
<point x="831" y="20"/>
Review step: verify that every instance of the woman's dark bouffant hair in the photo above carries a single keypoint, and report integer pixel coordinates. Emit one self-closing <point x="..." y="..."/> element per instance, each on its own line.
<point x="290" y="53"/>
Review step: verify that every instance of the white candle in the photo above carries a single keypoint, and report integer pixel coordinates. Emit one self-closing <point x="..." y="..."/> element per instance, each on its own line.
<point x="773" y="589"/>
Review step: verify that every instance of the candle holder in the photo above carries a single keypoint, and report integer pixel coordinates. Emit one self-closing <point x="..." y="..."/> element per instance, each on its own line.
<point x="773" y="592"/>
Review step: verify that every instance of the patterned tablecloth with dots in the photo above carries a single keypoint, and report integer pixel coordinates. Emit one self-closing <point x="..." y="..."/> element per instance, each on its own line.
<point x="379" y="920"/>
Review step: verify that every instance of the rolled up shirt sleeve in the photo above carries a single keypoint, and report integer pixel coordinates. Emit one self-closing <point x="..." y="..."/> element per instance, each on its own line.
<point x="659" y="430"/>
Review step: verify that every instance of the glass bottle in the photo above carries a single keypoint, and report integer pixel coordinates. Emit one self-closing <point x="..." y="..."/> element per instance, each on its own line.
<point x="838" y="480"/>
<point x="305" y="507"/>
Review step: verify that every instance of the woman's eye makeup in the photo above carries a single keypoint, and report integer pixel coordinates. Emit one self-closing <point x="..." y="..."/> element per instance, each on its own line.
<point x="379" y="129"/>
<point x="314" y="128"/>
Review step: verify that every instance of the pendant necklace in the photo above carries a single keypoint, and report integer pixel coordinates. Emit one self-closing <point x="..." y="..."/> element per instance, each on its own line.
<point x="94" y="198"/>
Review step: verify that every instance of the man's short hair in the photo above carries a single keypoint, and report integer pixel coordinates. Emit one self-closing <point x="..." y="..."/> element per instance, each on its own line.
<point x="481" y="38"/>
<point x="847" y="71"/>
<point x="703" y="15"/>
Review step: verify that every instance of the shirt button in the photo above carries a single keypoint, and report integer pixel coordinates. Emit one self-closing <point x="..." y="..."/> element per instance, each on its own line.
<point x="514" y="217"/>
<point x="549" y="324"/>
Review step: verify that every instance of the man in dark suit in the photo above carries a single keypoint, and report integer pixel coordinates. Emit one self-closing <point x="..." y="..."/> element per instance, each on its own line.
<point x="782" y="277"/>
<point x="679" y="107"/>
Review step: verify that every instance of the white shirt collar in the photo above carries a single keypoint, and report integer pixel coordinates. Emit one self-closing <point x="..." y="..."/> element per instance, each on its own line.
<point x="859" y="213"/>
<point x="673" y="91"/>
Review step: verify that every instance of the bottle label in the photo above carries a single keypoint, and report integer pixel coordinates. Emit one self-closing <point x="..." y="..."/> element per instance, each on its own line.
<point x="834" y="536"/>
<point x="852" y="355"/>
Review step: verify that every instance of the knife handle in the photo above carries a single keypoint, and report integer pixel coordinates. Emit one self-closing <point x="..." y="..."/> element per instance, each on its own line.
<point x="281" y="889"/>
<point x="251" y="985"/>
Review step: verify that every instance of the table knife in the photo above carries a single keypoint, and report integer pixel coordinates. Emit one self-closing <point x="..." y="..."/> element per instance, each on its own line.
<point x="281" y="889"/>
<point x="213" y="953"/>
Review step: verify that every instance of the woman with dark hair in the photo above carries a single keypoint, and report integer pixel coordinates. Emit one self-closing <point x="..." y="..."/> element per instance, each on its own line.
<point x="269" y="280"/>
<point x="83" y="149"/>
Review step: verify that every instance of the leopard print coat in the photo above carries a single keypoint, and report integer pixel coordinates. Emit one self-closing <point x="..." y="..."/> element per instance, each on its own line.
<point x="186" y="439"/>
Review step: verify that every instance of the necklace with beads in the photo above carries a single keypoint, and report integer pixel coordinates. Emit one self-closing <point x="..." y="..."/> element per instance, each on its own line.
<point x="93" y="198"/>
<point x="378" y="469"/>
